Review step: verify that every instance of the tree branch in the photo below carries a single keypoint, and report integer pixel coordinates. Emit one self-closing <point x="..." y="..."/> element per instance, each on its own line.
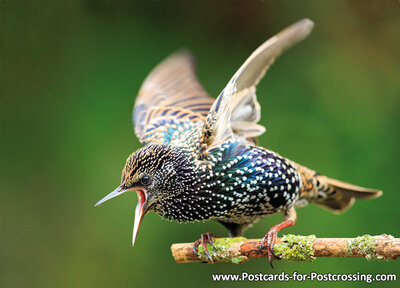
<point x="291" y="247"/>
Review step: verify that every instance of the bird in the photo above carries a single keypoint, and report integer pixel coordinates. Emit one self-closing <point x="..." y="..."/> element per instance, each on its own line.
<point x="200" y="158"/>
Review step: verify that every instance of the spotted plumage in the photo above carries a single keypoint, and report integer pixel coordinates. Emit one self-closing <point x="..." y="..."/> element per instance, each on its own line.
<point x="200" y="160"/>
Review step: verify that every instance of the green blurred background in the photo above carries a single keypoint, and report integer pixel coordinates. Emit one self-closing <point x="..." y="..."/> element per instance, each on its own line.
<point x="70" y="72"/>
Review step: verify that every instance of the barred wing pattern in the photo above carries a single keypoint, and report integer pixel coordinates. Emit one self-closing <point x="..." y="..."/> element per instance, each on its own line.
<point x="236" y="111"/>
<point x="171" y="92"/>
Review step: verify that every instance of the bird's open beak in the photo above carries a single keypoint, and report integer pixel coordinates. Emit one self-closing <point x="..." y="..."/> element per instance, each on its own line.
<point x="141" y="207"/>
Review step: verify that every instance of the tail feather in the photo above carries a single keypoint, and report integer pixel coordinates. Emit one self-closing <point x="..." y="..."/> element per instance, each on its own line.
<point x="339" y="196"/>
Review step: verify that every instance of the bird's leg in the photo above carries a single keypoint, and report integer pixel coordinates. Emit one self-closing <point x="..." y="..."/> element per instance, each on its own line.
<point x="204" y="240"/>
<point x="269" y="239"/>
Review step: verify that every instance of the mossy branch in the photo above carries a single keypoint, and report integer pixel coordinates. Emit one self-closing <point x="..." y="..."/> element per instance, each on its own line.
<point x="293" y="248"/>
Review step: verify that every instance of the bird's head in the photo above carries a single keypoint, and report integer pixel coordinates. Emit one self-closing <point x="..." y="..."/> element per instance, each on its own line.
<point x="155" y="172"/>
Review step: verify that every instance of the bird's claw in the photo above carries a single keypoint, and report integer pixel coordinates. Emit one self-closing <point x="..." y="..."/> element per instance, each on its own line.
<point x="204" y="240"/>
<point x="268" y="242"/>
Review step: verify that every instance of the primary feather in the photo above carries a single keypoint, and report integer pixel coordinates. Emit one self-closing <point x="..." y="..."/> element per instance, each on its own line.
<point x="236" y="110"/>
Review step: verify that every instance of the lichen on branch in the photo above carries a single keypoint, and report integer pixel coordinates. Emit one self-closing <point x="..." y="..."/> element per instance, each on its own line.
<point x="366" y="245"/>
<point x="296" y="248"/>
<point x="225" y="250"/>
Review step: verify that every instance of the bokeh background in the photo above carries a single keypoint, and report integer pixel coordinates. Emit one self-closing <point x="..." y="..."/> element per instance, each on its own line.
<point x="70" y="72"/>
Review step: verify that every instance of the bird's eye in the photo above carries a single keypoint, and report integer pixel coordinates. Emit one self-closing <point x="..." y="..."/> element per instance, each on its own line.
<point x="145" y="180"/>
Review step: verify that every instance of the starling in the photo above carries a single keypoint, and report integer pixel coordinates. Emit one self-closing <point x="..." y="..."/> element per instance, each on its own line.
<point x="201" y="161"/>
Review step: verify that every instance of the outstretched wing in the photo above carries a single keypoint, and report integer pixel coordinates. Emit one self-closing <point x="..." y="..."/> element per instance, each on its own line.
<point x="170" y="92"/>
<point x="235" y="112"/>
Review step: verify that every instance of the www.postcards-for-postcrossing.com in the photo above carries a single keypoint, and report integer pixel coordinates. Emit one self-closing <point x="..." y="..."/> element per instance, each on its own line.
<point x="299" y="277"/>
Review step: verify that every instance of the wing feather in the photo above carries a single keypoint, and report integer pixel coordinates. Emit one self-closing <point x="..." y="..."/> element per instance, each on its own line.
<point x="236" y="111"/>
<point x="171" y="90"/>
